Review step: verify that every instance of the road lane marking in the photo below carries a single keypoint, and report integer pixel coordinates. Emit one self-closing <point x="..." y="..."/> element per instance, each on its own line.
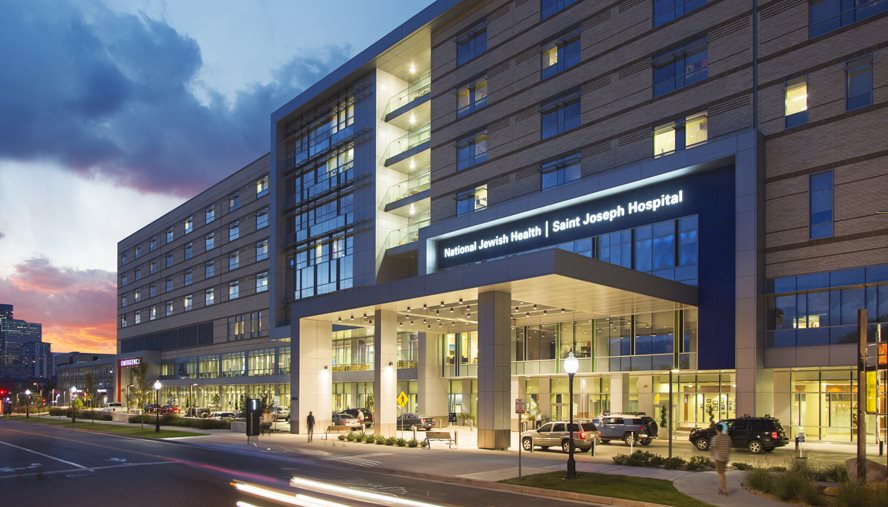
<point x="74" y="472"/>
<point x="60" y="460"/>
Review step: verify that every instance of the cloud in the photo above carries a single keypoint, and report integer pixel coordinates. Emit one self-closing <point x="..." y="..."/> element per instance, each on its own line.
<point x="2" y="235"/>
<point x="109" y="94"/>
<point x="76" y="307"/>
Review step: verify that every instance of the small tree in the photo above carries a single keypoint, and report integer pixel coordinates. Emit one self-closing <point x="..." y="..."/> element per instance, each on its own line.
<point x="140" y="386"/>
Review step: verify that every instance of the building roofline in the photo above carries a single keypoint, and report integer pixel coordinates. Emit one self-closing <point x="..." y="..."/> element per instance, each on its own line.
<point x="365" y="57"/>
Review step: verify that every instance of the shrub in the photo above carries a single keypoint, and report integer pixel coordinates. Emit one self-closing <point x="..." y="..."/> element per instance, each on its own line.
<point x="644" y="459"/>
<point x="371" y="438"/>
<point x="390" y="441"/>
<point x="380" y="440"/>
<point x="793" y="484"/>
<point x="851" y="494"/>
<point x="674" y="463"/>
<point x="351" y="436"/>
<point x="742" y="466"/>
<point x="342" y="437"/>
<point x="760" y="479"/>
<point x="401" y="442"/>
<point x="621" y="459"/>
<point x="834" y="473"/>
<point x="412" y="443"/>
<point x="777" y="469"/>
<point x="699" y="463"/>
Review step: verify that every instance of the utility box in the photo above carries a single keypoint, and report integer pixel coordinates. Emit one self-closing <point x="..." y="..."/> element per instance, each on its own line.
<point x="254" y="417"/>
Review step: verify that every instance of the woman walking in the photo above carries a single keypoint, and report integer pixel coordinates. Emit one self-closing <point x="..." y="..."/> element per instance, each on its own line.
<point x="721" y="452"/>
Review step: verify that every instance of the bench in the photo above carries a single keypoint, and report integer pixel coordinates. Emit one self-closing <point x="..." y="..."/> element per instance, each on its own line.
<point x="438" y="436"/>
<point x="336" y="429"/>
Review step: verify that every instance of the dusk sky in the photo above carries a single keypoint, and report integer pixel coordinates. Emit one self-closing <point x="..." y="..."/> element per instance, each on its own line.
<point x="115" y="112"/>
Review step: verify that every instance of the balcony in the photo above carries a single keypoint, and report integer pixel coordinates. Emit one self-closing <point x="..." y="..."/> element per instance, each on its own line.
<point x="417" y="183"/>
<point x="410" y="144"/>
<point x="413" y="95"/>
<point x="404" y="235"/>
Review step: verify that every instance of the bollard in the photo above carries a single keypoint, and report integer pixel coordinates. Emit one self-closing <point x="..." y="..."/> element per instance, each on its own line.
<point x="592" y="450"/>
<point x="881" y="447"/>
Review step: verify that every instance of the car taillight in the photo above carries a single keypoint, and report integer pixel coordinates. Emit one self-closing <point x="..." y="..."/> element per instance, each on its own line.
<point x="641" y="427"/>
<point x="582" y="435"/>
<point x="599" y="434"/>
<point x="774" y="435"/>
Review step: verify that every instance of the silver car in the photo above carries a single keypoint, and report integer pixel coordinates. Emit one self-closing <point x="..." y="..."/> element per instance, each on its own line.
<point x="557" y="434"/>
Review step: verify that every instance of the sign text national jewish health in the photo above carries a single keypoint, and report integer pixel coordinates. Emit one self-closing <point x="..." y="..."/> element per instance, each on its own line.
<point x="552" y="227"/>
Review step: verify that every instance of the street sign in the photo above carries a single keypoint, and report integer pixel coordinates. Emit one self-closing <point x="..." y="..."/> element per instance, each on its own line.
<point x="519" y="405"/>
<point x="402" y="399"/>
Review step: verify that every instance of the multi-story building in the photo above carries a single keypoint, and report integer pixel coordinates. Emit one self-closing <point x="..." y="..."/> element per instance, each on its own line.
<point x="91" y="376"/>
<point x="686" y="186"/>
<point x="23" y="354"/>
<point x="193" y="303"/>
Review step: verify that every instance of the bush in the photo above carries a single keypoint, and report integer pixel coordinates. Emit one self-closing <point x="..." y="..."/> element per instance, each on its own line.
<point x="351" y="436"/>
<point x="742" y="466"/>
<point x="644" y="459"/>
<point x="833" y="473"/>
<point x="851" y="494"/>
<point x="760" y="479"/>
<point x="412" y="443"/>
<point x="371" y="438"/>
<point x="390" y="441"/>
<point x="381" y="440"/>
<point x="401" y="442"/>
<point x="185" y="422"/>
<point x="674" y="463"/>
<point x="621" y="459"/>
<point x="699" y="463"/>
<point x="794" y="484"/>
<point x="342" y="437"/>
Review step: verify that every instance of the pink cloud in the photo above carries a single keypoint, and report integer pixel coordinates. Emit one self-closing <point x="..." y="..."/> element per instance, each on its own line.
<point x="76" y="307"/>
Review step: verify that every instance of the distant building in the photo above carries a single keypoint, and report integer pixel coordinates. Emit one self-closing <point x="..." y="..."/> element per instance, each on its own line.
<point x="75" y="369"/>
<point x="22" y="351"/>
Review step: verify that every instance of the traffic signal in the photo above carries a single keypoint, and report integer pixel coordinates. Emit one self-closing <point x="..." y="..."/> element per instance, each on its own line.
<point x="3" y="392"/>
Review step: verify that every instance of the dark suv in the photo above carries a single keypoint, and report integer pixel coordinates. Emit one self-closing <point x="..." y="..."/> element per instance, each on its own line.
<point x="758" y="434"/>
<point x="627" y="427"/>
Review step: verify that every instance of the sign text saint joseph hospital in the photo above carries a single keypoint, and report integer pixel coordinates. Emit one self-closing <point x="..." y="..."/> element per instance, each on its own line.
<point x="552" y="227"/>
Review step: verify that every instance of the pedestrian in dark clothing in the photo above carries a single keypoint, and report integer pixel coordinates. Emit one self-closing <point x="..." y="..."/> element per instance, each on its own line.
<point x="721" y="451"/>
<point x="310" y="422"/>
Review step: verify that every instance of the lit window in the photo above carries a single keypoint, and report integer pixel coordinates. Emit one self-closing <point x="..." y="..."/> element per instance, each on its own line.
<point x="471" y="200"/>
<point x="123" y="321"/>
<point x="152" y="266"/>
<point x="233" y="290"/>
<point x="561" y="171"/>
<point x="137" y="295"/>
<point x="169" y="308"/>
<point x="186" y="302"/>
<point x="696" y="129"/>
<point x="262" y="250"/>
<point x="234" y="231"/>
<point x="189" y="224"/>
<point x="210" y="214"/>
<point x="233" y="261"/>
<point x="152" y="313"/>
<point x="233" y="202"/>
<point x="209" y="296"/>
<point x="262" y="281"/>
<point x="138" y="319"/>
<point x="561" y="54"/>
<point x="471" y="97"/>
<point x="261" y="186"/>
<point x="664" y="139"/>
<point x="680" y="134"/>
<point x="796" y="104"/>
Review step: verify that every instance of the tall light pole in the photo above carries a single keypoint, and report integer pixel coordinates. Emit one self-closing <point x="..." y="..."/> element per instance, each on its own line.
<point x="73" y="413"/>
<point x="571" y="365"/>
<point x="157" y="386"/>
<point x="28" y="404"/>
<point x="671" y="424"/>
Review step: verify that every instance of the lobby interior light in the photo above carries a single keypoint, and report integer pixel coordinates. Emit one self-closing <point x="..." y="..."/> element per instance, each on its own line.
<point x="412" y="68"/>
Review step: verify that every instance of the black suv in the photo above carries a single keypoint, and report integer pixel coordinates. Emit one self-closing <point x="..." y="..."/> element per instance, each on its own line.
<point x="758" y="434"/>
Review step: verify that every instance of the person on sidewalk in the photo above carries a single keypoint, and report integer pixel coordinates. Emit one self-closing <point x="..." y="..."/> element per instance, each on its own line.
<point x="721" y="452"/>
<point x="310" y="422"/>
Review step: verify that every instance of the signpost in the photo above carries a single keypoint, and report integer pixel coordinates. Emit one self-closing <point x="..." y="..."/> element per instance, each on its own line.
<point x="520" y="410"/>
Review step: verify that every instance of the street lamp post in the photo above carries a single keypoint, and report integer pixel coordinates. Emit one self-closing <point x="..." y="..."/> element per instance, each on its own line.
<point x="157" y="386"/>
<point x="73" y="413"/>
<point x="571" y="365"/>
<point x="28" y="404"/>
<point x="671" y="372"/>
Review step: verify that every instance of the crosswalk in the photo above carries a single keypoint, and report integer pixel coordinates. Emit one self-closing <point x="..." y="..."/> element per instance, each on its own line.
<point x="361" y="460"/>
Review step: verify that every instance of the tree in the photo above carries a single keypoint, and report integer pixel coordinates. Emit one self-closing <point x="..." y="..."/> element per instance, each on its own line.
<point x="89" y="386"/>
<point x="139" y="373"/>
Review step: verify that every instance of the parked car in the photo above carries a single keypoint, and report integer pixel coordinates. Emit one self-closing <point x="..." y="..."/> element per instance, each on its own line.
<point x="758" y="434"/>
<point x="151" y="408"/>
<point x="361" y="414"/>
<point x="224" y="416"/>
<point x="557" y="434"/>
<point x="630" y="428"/>
<point x="410" y="421"/>
<point x="280" y="413"/>
<point x="170" y="409"/>
<point x="198" y="412"/>
<point x="346" y="420"/>
<point x="113" y="407"/>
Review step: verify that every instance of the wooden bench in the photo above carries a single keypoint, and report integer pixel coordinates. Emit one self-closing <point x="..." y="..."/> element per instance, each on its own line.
<point x="439" y="436"/>
<point x="336" y="429"/>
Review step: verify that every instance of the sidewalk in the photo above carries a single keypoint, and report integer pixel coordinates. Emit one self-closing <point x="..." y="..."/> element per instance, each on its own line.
<point x="184" y="429"/>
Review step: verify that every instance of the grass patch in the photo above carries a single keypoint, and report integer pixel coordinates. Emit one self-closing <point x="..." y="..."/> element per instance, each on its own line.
<point x="112" y="429"/>
<point x="618" y="486"/>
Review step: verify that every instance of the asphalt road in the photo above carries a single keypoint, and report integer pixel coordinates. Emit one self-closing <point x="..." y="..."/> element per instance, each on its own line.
<point x="45" y="465"/>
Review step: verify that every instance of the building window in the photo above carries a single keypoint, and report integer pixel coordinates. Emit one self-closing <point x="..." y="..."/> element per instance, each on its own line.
<point x="234" y="231"/>
<point x="821" y="205"/>
<point x="169" y="308"/>
<point x="561" y="54"/>
<point x="680" y="134"/>
<point x="559" y="172"/>
<point x="188" y="276"/>
<point x="138" y="273"/>
<point x="137" y="295"/>
<point x="471" y="97"/>
<point x="152" y="245"/>
<point x="152" y="290"/>
<point x="123" y="321"/>
<point x="560" y="115"/>
<point x="262" y="250"/>
<point x="233" y="261"/>
<point x="123" y="280"/>
<point x="169" y="260"/>
<point x="233" y="289"/>
<point x="680" y="67"/>
<point x="170" y="235"/>
<point x="138" y="251"/>
<point x="189" y="225"/>
<point x="152" y="267"/>
<point x="210" y="214"/>
<point x="549" y="8"/>
<point x="189" y="250"/>
<point x="471" y="43"/>
<point x="209" y="270"/>
<point x="169" y="284"/>
<point x="262" y="281"/>
<point x="825" y="16"/>
<point x="138" y="317"/>
<point x="186" y="302"/>
<point x="261" y="186"/>
<point x="123" y="258"/>
<point x="233" y="202"/>
<point x="209" y="296"/>
<point x="796" y="103"/>
<point x="667" y="10"/>
<point x="262" y="219"/>
<point x="471" y="150"/>
<point x="152" y="312"/>
<point x="474" y="199"/>
<point x="859" y="82"/>
<point x="210" y="241"/>
<point x="123" y="301"/>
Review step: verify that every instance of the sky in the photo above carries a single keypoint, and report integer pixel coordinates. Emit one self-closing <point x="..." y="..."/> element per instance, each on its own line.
<point x="114" y="112"/>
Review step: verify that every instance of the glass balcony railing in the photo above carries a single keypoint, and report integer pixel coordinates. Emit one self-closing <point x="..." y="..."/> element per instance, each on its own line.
<point x="404" y="235"/>
<point x="413" y="185"/>
<point x="416" y="90"/>
<point x="409" y="141"/>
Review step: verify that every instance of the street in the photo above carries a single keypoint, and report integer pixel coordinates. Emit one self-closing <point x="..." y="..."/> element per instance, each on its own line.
<point x="42" y="465"/>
